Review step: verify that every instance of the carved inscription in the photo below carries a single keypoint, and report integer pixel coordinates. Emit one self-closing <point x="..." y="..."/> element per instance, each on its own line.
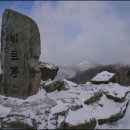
<point x="14" y="71"/>
<point x="11" y="38"/>
<point x="13" y="55"/>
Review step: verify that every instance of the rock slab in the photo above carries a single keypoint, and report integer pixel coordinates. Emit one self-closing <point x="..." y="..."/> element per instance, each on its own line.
<point x="48" y="71"/>
<point x="20" y="47"/>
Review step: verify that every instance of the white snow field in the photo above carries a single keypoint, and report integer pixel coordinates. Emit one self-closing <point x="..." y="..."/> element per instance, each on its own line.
<point x="50" y="110"/>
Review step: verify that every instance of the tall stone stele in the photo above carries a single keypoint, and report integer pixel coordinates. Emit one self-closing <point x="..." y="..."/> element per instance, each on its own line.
<point x="20" y="49"/>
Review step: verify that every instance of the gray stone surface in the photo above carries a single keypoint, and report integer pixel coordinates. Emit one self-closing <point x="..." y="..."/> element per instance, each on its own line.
<point x="20" y="49"/>
<point x="94" y="98"/>
<point x="56" y="85"/>
<point x="48" y="71"/>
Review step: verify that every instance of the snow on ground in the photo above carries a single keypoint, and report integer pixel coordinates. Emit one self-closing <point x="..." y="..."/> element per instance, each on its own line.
<point x="4" y="111"/>
<point x="103" y="76"/>
<point x="44" y="107"/>
<point x="123" y="123"/>
<point x="78" y="117"/>
<point x="60" y="107"/>
<point x="69" y="83"/>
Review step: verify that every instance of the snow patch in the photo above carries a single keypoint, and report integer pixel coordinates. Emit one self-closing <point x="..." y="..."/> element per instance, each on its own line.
<point x="4" y="111"/>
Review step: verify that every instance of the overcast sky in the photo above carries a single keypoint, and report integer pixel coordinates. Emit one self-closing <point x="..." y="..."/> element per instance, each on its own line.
<point x="74" y="31"/>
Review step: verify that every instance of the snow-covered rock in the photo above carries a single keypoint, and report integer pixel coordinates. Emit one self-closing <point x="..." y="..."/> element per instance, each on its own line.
<point x="104" y="77"/>
<point x="55" y="85"/>
<point x="116" y="92"/>
<point x="48" y="71"/>
<point x="115" y="116"/>
<point x="94" y="98"/>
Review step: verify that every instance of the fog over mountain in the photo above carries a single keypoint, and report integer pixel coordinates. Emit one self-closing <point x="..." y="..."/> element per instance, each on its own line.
<point x="72" y="32"/>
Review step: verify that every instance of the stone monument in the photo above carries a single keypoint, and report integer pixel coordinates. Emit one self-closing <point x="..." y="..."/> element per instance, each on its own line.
<point x="20" y="49"/>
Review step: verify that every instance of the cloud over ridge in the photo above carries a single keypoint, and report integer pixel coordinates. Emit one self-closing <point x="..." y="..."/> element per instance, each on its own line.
<point x="74" y="31"/>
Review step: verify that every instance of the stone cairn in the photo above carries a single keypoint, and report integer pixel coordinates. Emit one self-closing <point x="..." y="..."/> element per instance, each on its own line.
<point x="20" y="51"/>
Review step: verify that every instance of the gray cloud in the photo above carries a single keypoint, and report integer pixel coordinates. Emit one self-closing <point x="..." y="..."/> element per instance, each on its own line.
<point x="75" y="31"/>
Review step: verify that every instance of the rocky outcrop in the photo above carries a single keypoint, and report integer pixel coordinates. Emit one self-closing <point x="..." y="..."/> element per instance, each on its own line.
<point x="20" y="52"/>
<point x="56" y="85"/>
<point x="48" y="71"/>
<point x="94" y="98"/>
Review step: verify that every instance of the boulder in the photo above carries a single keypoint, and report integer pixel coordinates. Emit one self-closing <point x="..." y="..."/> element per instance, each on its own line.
<point x="115" y="116"/>
<point x="94" y="98"/>
<point x="20" y="52"/>
<point x="48" y="71"/>
<point x="116" y="92"/>
<point x="56" y="85"/>
<point x="105" y="77"/>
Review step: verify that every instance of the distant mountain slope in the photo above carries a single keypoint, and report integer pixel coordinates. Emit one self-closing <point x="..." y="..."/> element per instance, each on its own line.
<point x="122" y="70"/>
<point x="71" y="71"/>
<point x="82" y="66"/>
<point x="66" y="72"/>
